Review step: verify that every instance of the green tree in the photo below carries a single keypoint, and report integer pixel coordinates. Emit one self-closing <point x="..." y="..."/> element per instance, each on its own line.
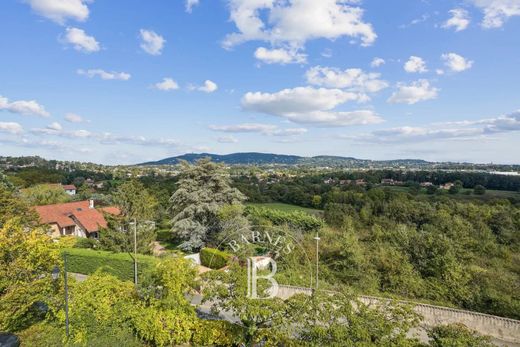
<point x="27" y="258"/>
<point x="45" y="194"/>
<point x="138" y="209"/>
<point x="456" y="335"/>
<point x="135" y="201"/>
<point x="342" y="320"/>
<point x="431" y="189"/>
<point x="479" y="190"/>
<point x="118" y="236"/>
<point x="260" y="321"/>
<point x="203" y="189"/>
<point x="316" y="201"/>
<point x="12" y="206"/>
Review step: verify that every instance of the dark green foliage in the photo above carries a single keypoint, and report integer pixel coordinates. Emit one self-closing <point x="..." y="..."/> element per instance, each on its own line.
<point x="118" y="236"/>
<point x="479" y="190"/>
<point x="121" y="265"/>
<point x="298" y="220"/>
<point x="83" y="242"/>
<point x="204" y="188"/>
<point x="448" y="252"/>
<point x="214" y="258"/>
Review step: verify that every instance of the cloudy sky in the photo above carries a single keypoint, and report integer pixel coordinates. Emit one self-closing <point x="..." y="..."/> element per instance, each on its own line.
<point x="130" y="81"/>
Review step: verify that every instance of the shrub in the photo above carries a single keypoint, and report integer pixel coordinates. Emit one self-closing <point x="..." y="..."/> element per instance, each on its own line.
<point x="294" y="219"/>
<point x="456" y="335"/>
<point x="214" y="258"/>
<point x="216" y="332"/>
<point x="121" y="265"/>
<point x="82" y="242"/>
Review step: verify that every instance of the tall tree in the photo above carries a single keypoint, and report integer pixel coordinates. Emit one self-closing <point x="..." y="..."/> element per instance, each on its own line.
<point x="138" y="210"/>
<point x="135" y="201"/>
<point x="203" y="189"/>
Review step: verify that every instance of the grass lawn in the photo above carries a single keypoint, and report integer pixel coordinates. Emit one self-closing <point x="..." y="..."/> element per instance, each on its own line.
<point x="286" y="207"/>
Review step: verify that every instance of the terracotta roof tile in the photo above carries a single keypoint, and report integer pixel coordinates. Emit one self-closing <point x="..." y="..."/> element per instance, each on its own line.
<point x="67" y="214"/>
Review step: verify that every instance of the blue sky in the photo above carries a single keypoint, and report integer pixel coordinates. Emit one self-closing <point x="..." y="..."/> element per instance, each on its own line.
<point x="122" y="82"/>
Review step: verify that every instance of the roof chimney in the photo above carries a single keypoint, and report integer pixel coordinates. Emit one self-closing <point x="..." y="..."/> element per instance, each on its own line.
<point x="91" y="203"/>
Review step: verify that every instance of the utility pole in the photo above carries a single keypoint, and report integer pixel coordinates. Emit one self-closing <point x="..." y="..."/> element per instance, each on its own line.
<point x="66" y="295"/>
<point x="135" y="252"/>
<point x="317" y="238"/>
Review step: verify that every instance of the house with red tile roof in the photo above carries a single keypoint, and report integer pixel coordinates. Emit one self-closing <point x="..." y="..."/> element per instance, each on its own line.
<point x="79" y="218"/>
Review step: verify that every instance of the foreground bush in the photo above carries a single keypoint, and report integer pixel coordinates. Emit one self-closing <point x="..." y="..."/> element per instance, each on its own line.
<point x="214" y="258"/>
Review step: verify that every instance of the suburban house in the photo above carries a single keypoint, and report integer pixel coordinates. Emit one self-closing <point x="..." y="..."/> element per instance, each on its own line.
<point x="447" y="186"/>
<point x="79" y="218"/>
<point x="70" y="189"/>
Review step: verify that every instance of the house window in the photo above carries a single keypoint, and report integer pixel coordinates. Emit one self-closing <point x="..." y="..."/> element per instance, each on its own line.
<point x="94" y="235"/>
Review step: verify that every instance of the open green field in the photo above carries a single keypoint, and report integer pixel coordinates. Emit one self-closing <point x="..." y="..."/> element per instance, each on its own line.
<point x="286" y="207"/>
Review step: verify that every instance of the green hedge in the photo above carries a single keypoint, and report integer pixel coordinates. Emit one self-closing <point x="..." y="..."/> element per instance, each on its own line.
<point x="295" y="219"/>
<point x="121" y="265"/>
<point x="213" y="258"/>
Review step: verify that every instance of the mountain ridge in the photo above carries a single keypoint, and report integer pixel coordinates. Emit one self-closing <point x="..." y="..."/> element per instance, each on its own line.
<point x="258" y="158"/>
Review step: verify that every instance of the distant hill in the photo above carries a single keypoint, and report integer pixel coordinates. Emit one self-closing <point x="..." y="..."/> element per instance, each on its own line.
<point x="251" y="158"/>
<point x="254" y="158"/>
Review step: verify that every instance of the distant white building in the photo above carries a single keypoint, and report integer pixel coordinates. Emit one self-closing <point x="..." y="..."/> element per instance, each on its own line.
<point x="70" y="189"/>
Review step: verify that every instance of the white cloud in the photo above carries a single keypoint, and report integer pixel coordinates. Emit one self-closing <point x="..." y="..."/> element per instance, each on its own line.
<point x="298" y="100"/>
<point x="151" y="42"/>
<point x="505" y="123"/>
<point x="415" y="64"/>
<point x="245" y="128"/>
<point x="458" y="130"/>
<point x="377" y="62"/>
<point x="455" y="62"/>
<point x="81" y="41"/>
<point x="294" y="22"/>
<point x="73" y="118"/>
<point x="61" y="10"/>
<point x="227" y="139"/>
<point x="414" y="92"/>
<point x="190" y="4"/>
<point x="105" y="75"/>
<point x="497" y="12"/>
<point x="353" y="79"/>
<point x="289" y="132"/>
<point x="166" y="84"/>
<point x="279" y="56"/>
<point x="23" y="107"/>
<point x="55" y="126"/>
<point x="264" y="129"/>
<point x="208" y="87"/>
<point x="11" y="127"/>
<point x="414" y="134"/>
<point x="459" y="19"/>
<point x="310" y="105"/>
<point x="104" y="138"/>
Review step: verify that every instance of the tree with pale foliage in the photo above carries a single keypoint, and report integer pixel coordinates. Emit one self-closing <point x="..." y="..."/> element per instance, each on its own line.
<point x="203" y="189"/>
